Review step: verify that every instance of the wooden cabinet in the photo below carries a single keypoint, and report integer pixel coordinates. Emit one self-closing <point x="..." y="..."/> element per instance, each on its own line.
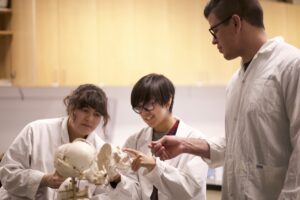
<point x="66" y="38"/>
<point x="5" y="44"/>
<point x="54" y="42"/>
<point x="5" y="21"/>
<point x="17" y="46"/>
<point x="115" y="42"/>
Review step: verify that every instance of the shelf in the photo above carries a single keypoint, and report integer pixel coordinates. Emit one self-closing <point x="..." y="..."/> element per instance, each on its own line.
<point x="5" y="10"/>
<point x="5" y="33"/>
<point x="4" y="21"/>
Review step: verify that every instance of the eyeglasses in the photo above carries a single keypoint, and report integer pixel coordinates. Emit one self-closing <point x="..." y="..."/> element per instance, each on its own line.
<point x="146" y="107"/>
<point x="212" y="29"/>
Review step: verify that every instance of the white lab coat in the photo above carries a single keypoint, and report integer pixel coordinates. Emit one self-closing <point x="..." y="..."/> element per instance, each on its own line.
<point x="262" y="127"/>
<point x="30" y="156"/>
<point x="181" y="178"/>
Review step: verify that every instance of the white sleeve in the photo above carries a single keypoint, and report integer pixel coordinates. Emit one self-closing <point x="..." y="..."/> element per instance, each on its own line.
<point x="127" y="188"/>
<point x="217" y="147"/>
<point x="184" y="181"/>
<point x="15" y="173"/>
<point x="291" y="89"/>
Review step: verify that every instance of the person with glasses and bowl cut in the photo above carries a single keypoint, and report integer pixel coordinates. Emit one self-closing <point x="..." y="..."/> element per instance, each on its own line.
<point x="183" y="177"/>
<point x="261" y="148"/>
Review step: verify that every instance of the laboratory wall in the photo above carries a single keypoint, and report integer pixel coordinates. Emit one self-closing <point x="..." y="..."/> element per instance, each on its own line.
<point x="201" y="107"/>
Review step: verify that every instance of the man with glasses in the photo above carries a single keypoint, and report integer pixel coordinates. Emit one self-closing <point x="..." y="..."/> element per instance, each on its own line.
<point x="261" y="148"/>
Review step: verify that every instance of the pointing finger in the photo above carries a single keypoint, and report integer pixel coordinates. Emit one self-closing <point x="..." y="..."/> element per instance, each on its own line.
<point x="131" y="151"/>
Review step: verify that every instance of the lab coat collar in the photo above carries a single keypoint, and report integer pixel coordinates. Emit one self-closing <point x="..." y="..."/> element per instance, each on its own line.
<point x="65" y="134"/>
<point x="269" y="45"/>
<point x="181" y="132"/>
<point x="91" y="137"/>
<point x="264" y="49"/>
<point x="145" y="139"/>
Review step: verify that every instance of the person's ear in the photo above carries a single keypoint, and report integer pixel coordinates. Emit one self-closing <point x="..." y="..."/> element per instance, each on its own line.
<point x="237" y="23"/>
<point x="73" y="115"/>
<point x="236" y="20"/>
<point x="169" y="103"/>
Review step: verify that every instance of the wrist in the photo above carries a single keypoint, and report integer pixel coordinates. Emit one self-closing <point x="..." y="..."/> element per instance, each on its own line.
<point x="152" y="164"/>
<point x="196" y="146"/>
<point x="186" y="147"/>
<point x="44" y="181"/>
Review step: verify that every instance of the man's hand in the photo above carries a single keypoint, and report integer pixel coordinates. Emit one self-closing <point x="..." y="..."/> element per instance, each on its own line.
<point x="141" y="160"/>
<point x="167" y="147"/>
<point x="52" y="180"/>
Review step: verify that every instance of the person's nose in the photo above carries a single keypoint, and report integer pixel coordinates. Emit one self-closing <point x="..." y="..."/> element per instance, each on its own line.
<point x="214" y="41"/>
<point x="89" y="117"/>
<point x="144" y="112"/>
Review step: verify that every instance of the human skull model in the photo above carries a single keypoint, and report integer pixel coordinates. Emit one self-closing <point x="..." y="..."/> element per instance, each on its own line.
<point x="110" y="162"/>
<point x="113" y="160"/>
<point x="73" y="159"/>
<point x="78" y="160"/>
<point x="70" y="190"/>
<point x="96" y="176"/>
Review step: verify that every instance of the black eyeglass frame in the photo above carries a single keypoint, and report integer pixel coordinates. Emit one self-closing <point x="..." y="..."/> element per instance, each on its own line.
<point x="146" y="107"/>
<point x="211" y="30"/>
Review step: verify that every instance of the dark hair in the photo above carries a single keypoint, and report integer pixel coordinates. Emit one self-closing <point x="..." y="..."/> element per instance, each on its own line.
<point x="88" y="95"/>
<point x="248" y="10"/>
<point x="153" y="87"/>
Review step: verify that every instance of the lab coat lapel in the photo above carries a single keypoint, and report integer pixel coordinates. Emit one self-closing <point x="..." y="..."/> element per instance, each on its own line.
<point x="65" y="135"/>
<point x="147" y="140"/>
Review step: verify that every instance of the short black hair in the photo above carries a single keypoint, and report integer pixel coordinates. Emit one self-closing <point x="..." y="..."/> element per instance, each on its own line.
<point x="88" y="95"/>
<point x="153" y="87"/>
<point x="248" y="10"/>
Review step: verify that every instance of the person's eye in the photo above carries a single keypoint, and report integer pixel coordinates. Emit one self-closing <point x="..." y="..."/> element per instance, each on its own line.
<point x="97" y="114"/>
<point x="149" y="106"/>
<point x="85" y="109"/>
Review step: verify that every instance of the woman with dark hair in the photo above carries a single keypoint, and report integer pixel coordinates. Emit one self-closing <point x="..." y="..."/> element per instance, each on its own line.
<point x="27" y="169"/>
<point x="183" y="177"/>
